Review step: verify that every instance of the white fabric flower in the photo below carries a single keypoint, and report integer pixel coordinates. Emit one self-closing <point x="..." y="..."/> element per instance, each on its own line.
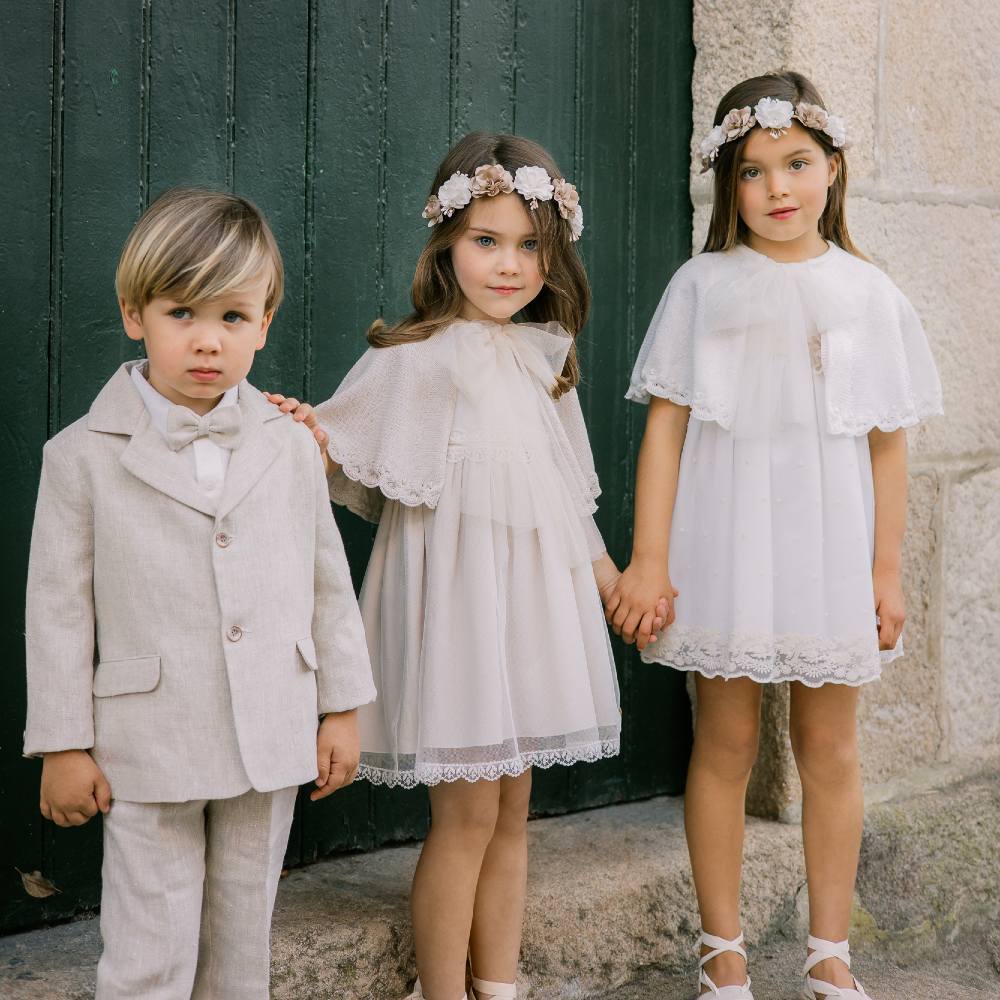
<point x="836" y="129"/>
<point x="773" y="116"/>
<point x="710" y="144"/>
<point x="576" y="224"/>
<point x="455" y="193"/>
<point x="533" y="184"/>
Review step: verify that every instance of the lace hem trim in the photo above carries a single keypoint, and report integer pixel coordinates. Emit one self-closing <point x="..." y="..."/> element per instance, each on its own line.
<point x="891" y="420"/>
<point x="839" y="422"/>
<point x="769" y="659"/>
<point x="433" y="774"/>
<point x="378" y="477"/>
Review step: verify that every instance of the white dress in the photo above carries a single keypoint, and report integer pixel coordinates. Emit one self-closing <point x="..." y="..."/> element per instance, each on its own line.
<point x="487" y="637"/>
<point x="786" y="367"/>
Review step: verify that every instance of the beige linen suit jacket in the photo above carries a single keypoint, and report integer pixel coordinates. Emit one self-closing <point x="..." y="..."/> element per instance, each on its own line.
<point x="189" y="643"/>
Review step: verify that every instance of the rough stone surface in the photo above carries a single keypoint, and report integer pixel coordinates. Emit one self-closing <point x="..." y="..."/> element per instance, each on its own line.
<point x="610" y="895"/>
<point x="943" y="258"/>
<point x="774" y="791"/>
<point x="900" y="718"/>
<point x="960" y="973"/>
<point x="972" y="615"/>
<point x="929" y="865"/>
<point x="933" y="52"/>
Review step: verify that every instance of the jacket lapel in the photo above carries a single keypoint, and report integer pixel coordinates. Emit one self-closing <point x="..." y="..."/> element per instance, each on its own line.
<point x="119" y="409"/>
<point x="259" y="448"/>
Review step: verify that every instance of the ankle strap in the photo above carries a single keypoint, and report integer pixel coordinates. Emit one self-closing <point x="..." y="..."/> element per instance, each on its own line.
<point x="502" y="991"/>
<point x="719" y="946"/>
<point x="822" y="950"/>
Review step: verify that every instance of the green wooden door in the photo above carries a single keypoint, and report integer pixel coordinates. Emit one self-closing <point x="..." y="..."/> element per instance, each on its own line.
<point x="332" y="115"/>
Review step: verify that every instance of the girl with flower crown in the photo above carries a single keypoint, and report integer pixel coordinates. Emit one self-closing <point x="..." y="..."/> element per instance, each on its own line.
<point x="780" y="369"/>
<point x="460" y="432"/>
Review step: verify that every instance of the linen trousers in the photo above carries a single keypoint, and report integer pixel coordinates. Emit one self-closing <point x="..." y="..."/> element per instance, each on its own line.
<point x="188" y="890"/>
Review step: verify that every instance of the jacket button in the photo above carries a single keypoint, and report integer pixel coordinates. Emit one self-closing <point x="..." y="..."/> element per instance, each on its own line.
<point x="235" y="633"/>
<point x="222" y="539"/>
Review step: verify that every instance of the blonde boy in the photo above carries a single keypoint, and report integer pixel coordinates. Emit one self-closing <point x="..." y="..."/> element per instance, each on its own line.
<point x="190" y="616"/>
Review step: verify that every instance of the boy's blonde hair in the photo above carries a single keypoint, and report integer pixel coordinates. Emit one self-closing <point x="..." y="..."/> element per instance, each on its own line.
<point x="193" y="245"/>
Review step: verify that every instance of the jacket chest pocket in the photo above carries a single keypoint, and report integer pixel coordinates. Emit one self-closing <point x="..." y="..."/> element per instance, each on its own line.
<point x="136" y="675"/>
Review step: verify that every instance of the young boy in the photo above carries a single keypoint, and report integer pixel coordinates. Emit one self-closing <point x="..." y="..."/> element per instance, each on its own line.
<point x="190" y="616"/>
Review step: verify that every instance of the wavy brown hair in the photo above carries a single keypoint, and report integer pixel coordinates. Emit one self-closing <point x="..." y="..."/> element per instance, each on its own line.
<point x="436" y="296"/>
<point x="726" y="228"/>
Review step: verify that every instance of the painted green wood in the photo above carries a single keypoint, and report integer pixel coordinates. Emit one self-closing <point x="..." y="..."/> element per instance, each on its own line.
<point x="657" y="741"/>
<point x="26" y="73"/>
<point x="332" y="115"/>
<point x="188" y="95"/>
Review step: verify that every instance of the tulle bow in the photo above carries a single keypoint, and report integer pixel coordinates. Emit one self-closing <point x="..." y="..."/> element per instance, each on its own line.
<point x="477" y="348"/>
<point x="757" y="336"/>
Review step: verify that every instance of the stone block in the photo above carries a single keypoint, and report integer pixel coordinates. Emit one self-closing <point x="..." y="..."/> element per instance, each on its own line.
<point x="900" y="717"/>
<point x="940" y="117"/>
<point x="944" y="258"/>
<point x="971" y="630"/>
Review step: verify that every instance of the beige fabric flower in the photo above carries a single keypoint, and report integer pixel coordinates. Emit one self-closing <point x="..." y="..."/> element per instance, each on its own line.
<point x="567" y="197"/>
<point x="812" y="115"/>
<point x="491" y="179"/>
<point x="738" y="122"/>
<point x="432" y="211"/>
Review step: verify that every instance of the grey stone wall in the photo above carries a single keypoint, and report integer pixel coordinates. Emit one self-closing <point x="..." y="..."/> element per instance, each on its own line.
<point x="918" y="82"/>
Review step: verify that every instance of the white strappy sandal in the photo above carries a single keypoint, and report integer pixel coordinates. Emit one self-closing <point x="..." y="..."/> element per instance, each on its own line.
<point x="502" y="991"/>
<point x="418" y="993"/>
<point x="719" y="946"/>
<point x="816" y="989"/>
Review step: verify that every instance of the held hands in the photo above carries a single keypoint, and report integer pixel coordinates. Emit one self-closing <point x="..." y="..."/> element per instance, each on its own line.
<point x="303" y="413"/>
<point x="890" y="606"/>
<point x="640" y="603"/>
<point x="337" y="752"/>
<point x="73" y="788"/>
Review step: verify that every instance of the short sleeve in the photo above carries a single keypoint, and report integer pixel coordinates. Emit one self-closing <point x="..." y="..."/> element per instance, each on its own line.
<point x="389" y="422"/>
<point x="665" y="366"/>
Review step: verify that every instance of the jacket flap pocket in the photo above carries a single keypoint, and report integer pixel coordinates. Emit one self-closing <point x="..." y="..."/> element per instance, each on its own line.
<point x="307" y="650"/>
<point x="131" y="676"/>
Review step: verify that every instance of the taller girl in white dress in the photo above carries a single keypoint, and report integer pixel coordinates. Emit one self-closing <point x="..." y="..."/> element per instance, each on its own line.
<point x="781" y="368"/>
<point x="460" y="433"/>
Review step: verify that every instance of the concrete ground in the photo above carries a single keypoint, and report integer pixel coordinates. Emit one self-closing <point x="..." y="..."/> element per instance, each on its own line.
<point x="611" y="909"/>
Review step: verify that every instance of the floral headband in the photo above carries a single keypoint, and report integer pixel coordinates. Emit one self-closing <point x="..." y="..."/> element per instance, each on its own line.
<point x="774" y="117"/>
<point x="533" y="184"/>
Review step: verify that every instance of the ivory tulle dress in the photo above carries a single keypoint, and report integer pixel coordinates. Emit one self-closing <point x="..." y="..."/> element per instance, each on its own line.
<point x="786" y="367"/>
<point x="486" y="632"/>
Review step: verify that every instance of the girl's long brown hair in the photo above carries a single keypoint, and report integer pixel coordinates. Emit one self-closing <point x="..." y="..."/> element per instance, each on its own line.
<point x="436" y="296"/>
<point x="726" y="228"/>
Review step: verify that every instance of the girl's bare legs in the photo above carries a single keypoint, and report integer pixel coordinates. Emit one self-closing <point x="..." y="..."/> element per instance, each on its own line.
<point x="463" y="821"/>
<point x="725" y="748"/>
<point x="499" y="910"/>
<point x="825" y="744"/>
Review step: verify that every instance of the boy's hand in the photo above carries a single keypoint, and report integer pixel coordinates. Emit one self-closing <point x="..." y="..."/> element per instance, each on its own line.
<point x="639" y="600"/>
<point x="890" y="606"/>
<point x="337" y="752"/>
<point x="302" y="413"/>
<point x="73" y="788"/>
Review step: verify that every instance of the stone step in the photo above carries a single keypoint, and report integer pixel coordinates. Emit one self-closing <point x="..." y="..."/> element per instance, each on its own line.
<point x="610" y="895"/>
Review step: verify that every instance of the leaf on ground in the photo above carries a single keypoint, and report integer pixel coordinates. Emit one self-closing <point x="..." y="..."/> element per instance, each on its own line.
<point x="36" y="884"/>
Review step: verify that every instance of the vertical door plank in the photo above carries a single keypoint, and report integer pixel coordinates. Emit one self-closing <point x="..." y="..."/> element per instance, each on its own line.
<point x="27" y="72"/>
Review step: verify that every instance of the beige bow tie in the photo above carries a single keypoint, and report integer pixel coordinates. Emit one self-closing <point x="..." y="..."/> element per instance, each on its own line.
<point x="222" y="426"/>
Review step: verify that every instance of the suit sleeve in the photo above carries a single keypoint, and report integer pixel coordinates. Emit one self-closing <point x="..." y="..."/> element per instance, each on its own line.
<point x="344" y="676"/>
<point x="59" y="614"/>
